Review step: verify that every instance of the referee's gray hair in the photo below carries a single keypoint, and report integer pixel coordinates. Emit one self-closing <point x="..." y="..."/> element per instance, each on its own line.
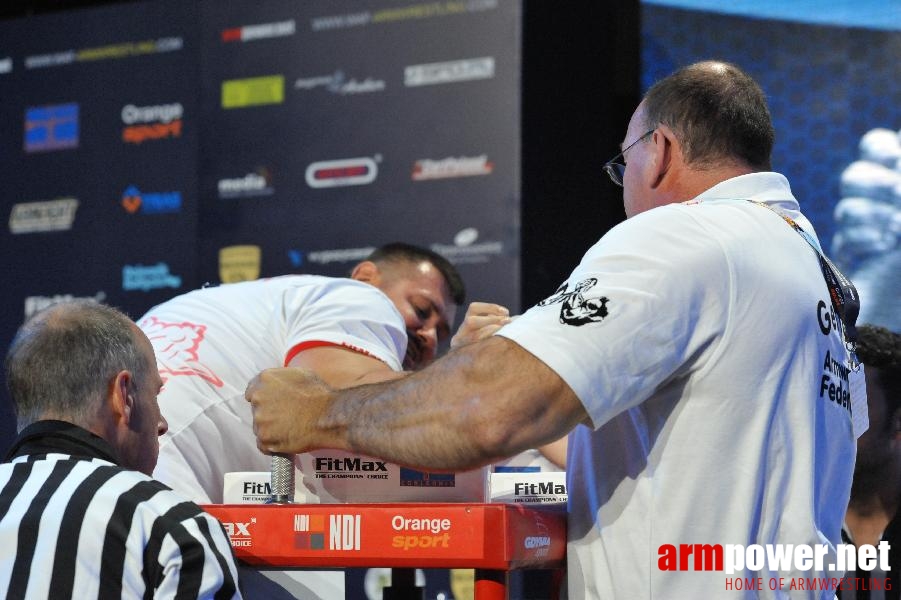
<point x="62" y="360"/>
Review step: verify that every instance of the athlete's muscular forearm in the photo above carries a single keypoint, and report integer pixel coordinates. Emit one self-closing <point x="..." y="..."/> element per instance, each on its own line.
<point x="477" y="404"/>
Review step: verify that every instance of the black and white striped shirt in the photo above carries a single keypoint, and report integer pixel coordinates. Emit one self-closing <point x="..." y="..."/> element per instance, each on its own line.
<point x="73" y="524"/>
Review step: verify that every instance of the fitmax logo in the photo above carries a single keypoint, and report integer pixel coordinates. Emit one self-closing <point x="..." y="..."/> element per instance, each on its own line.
<point x="238" y="529"/>
<point x="543" y="488"/>
<point x="349" y="464"/>
<point x="255" y="487"/>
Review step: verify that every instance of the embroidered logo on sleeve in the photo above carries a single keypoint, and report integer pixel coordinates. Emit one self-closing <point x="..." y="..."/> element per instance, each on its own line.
<point x="576" y="309"/>
<point x="175" y="346"/>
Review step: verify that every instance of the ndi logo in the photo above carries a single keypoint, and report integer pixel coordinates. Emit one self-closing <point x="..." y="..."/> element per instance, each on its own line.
<point x="343" y="532"/>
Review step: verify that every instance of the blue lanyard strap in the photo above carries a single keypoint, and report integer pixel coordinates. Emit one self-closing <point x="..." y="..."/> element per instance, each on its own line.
<point x="842" y="293"/>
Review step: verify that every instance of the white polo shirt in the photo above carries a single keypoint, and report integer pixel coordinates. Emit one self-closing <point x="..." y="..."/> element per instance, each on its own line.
<point x="699" y="338"/>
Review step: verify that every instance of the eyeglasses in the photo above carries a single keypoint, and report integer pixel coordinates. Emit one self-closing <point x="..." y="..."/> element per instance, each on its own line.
<point x="617" y="170"/>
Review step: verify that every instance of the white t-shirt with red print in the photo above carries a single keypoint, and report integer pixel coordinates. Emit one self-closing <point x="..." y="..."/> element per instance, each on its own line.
<point x="211" y="342"/>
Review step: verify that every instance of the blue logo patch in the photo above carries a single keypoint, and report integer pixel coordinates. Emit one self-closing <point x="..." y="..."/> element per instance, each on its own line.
<point x="414" y="478"/>
<point x="53" y="127"/>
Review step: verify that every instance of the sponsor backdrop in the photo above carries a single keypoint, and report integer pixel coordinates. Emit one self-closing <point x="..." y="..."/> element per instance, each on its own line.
<point x="831" y="72"/>
<point x="153" y="147"/>
<point x="100" y="152"/>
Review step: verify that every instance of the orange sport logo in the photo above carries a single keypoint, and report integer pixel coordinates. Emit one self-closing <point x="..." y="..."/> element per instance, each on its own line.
<point x="156" y="122"/>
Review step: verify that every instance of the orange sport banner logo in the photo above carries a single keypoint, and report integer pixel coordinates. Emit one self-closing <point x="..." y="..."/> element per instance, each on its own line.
<point x="155" y="122"/>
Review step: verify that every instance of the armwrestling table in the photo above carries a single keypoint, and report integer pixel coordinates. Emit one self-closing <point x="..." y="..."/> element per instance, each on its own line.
<point x="490" y="538"/>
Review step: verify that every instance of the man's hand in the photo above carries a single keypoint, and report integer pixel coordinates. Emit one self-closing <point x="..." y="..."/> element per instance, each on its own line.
<point x="286" y="405"/>
<point x="481" y="321"/>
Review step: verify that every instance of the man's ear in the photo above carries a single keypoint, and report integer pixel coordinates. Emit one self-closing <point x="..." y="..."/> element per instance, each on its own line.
<point x="368" y="272"/>
<point x="666" y="152"/>
<point x="121" y="399"/>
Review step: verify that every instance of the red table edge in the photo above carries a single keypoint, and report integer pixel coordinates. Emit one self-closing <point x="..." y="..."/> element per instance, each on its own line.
<point x="504" y="526"/>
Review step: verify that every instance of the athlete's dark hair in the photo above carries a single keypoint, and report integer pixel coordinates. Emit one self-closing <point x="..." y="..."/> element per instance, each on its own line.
<point x="880" y="348"/>
<point x="397" y="252"/>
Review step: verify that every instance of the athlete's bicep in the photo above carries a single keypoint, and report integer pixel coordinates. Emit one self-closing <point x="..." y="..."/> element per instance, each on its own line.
<point x="342" y="367"/>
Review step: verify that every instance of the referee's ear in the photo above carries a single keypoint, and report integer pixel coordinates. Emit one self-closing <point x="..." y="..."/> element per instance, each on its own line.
<point x="112" y="420"/>
<point x="121" y="400"/>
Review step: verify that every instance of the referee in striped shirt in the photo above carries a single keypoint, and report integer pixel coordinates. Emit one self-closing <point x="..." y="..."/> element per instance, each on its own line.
<point x="80" y="517"/>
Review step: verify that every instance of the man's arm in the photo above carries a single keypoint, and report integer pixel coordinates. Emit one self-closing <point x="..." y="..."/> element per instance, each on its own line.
<point x="480" y="403"/>
<point x="556" y="451"/>
<point x="341" y="367"/>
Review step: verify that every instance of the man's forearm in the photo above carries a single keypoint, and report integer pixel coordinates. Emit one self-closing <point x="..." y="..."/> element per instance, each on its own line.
<point x="476" y="405"/>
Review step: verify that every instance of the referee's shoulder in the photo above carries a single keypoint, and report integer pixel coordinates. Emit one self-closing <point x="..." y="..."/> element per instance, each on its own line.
<point x="160" y="500"/>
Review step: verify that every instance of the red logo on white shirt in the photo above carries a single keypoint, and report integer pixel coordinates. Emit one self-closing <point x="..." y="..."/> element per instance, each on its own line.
<point x="175" y="346"/>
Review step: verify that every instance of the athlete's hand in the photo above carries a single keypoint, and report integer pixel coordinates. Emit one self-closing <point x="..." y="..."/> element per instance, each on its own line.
<point x="482" y="320"/>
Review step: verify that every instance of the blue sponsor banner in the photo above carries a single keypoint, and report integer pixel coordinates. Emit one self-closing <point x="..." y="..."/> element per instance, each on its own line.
<point x="53" y="127"/>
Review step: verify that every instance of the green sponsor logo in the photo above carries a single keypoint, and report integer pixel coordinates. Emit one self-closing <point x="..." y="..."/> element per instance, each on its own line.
<point x="255" y="91"/>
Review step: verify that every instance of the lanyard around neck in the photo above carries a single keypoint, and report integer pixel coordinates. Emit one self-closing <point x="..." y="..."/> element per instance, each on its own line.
<point x="842" y="293"/>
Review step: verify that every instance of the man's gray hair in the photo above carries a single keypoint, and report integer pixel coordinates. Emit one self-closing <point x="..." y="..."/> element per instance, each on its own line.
<point x="63" y="359"/>
<point x="717" y="112"/>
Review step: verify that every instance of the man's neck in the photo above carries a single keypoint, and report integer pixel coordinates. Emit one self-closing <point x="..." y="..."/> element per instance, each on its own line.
<point x="689" y="183"/>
